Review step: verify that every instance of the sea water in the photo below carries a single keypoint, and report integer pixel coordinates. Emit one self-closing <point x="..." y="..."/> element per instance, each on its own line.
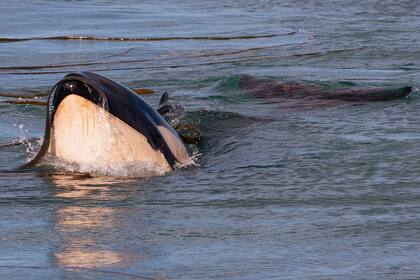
<point x="280" y="190"/>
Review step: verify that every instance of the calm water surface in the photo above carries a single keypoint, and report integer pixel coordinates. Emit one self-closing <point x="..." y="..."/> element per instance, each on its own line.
<point x="281" y="191"/>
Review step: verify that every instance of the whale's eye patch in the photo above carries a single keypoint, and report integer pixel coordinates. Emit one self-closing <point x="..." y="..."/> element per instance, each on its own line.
<point x="78" y="88"/>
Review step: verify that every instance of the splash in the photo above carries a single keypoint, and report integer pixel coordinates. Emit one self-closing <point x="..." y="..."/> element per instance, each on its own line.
<point x="24" y="140"/>
<point x="414" y="93"/>
<point x="31" y="144"/>
<point x="192" y="161"/>
<point x="121" y="169"/>
<point x="126" y="169"/>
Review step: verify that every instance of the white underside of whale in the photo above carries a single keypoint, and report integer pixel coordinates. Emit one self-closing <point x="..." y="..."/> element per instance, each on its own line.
<point x="86" y="134"/>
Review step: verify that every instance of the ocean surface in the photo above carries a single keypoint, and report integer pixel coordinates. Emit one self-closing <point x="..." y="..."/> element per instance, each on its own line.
<point x="280" y="190"/>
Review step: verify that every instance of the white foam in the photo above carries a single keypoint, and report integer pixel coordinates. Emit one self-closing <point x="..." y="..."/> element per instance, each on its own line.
<point x="116" y="169"/>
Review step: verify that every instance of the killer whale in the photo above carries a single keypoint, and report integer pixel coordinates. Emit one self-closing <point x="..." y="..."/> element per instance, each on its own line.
<point x="304" y="92"/>
<point x="91" y="118"/>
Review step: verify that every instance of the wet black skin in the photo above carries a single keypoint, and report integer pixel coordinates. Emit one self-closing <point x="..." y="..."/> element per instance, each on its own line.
<point x="265" y="88"/>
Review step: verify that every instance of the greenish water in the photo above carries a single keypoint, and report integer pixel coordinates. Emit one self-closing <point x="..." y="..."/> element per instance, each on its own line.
<point x="281" y="191"/>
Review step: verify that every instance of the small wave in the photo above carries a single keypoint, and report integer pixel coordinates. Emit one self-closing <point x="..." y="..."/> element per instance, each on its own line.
<point x="131" y="61"/>
<point x="328" y="52"/>
<point x="173" y="66"/>
<point x="147" y="39"/>
<point x="25" y="102"/>
<point x="26" y="96"/>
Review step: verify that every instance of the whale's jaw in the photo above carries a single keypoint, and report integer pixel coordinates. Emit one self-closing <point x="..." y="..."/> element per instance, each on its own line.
<point x="86" y="134"/>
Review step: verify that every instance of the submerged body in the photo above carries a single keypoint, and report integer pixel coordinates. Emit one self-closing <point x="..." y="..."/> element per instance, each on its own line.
<point x="264" y="88"/>
<point x="92" y="121"/>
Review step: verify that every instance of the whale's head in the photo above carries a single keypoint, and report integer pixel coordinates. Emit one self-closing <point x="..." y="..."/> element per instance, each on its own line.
<point x="94" y="121"/>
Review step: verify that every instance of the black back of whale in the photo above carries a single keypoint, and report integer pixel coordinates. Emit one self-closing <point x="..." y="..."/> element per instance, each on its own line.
<point x="265" y="88"/>
<point x="115" y="98"/>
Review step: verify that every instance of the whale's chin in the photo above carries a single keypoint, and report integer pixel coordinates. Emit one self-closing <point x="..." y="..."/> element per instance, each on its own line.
<point x="86" y="134"/>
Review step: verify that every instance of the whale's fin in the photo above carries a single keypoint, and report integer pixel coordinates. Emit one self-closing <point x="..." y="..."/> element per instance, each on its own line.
<point x="168" y="111"/>
<point x="164" y="99"/>
<point x="177" y="117"/>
